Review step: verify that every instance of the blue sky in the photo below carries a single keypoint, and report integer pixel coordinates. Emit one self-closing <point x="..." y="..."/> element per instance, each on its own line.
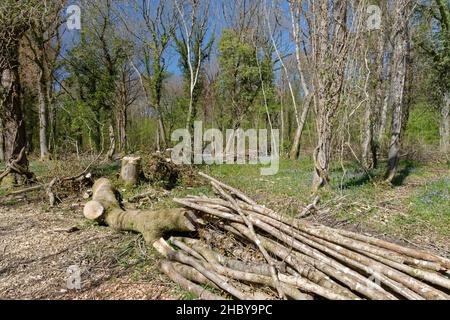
<point x="217" y="24"/>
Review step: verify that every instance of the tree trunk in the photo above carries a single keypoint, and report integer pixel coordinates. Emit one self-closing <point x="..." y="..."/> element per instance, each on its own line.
<point x="398" y="83"/>
<point x="295" y="150"/>
<point x="122" y="128"/>
<point x="322" y="153"/>
<point x="282" y="125"/>
<point x="295" y="9"/>
<point x="42" y="98"/>
<point x="2" y="147"/>
<point x="161" y="131"/>
<point x="444" y="128"/>
<point x="330" y="57"/>
<point x="52" y="118"/>
<point x="367" y="137"/>
<point x="384" y="111"/>
<point x="14" y="134"/>
<point x="112" y="142"/>
<point x="377" y="102"/>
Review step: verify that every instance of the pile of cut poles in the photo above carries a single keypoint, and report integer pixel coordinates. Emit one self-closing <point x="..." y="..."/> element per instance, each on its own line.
<point x="297" y="259"/>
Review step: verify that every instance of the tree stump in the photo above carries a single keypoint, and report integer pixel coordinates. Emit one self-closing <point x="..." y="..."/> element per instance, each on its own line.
<point x="106" y="208"/>
<point x="131" y="171"/>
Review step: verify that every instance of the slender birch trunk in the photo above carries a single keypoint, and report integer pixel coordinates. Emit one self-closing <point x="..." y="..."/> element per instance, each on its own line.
<point x="295" y="9"/>
<point x="444" y="128"/>
<point x="2" y="147"/>
<point x="43" y="103"/>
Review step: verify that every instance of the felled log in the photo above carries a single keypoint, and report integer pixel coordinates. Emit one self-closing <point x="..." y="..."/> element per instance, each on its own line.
<point x="106" y="208"/>
<point x="131" y="170"/>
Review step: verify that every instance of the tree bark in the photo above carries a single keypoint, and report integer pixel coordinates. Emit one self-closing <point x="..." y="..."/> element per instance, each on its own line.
<point x="122" y="128"/>
<point x="295" y="150"/>
<point x="378" y="99"/>
<point x="322" y="153"/>
<point x="444" y="128"/>
<point x="295" y="9"/>
<point x="2" y="148"/>
<point x="14" y="134"/>
<point x="367" y="143"/>
<point x="43" y="108"/>
<point x="330" y="57"/>
<point x="398" y="83"/>
<point x="386" y="101"/>
<point x="52" y="120"/>
<point x="112" y="142"/>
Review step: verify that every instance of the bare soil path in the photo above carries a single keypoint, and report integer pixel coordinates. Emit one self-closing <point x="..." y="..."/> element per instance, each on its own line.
<point x="36" y="250"/>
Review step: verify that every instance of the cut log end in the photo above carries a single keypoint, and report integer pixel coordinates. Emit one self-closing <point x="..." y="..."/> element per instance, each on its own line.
<point x="93" y="210"/>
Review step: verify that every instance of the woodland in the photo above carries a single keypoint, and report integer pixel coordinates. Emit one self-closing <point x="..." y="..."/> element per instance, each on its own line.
<point x="93" y="205"/>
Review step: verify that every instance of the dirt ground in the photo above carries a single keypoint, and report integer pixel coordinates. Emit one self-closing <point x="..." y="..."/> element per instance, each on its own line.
<point x="37" y="247"/>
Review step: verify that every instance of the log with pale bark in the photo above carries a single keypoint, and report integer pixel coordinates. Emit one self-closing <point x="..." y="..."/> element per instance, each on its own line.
<point x="105" y="207"/>
<point x="295" y="258"/>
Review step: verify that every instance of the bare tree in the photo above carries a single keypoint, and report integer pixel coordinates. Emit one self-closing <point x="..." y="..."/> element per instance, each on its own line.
<point x="16" y="17"/>
<point x="127" y="93"/>
<point x="295" y="7"/>
<point x="192" y="44"/>
<point x="300" y="120"/>
<point x="44" y="41"/>
<point x="154" y="36"/>
<point x="376" y="47"/>
<point x="401" y="42"/>
<point x="330" y="46"/>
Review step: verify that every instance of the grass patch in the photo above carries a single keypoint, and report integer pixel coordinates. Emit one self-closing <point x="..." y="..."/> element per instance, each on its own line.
<point x="429" y="207"/>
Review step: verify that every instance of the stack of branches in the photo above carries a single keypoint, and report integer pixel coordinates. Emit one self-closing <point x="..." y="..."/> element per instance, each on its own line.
<point x="297" y="258"/>
<point x="161" y="171"/>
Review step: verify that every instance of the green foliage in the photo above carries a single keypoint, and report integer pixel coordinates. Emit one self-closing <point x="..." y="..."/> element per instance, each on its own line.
<point x="423" y="125"/>
<point x="433" y="38"/>
<point x="93" y="65"/>
<point x="239" y="79"/>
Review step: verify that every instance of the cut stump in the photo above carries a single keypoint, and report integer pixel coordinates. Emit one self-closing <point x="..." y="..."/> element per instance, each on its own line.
<point x="131" y="171"/>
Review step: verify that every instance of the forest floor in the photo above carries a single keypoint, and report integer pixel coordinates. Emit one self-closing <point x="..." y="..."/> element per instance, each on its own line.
<point x="38" y="243"/>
